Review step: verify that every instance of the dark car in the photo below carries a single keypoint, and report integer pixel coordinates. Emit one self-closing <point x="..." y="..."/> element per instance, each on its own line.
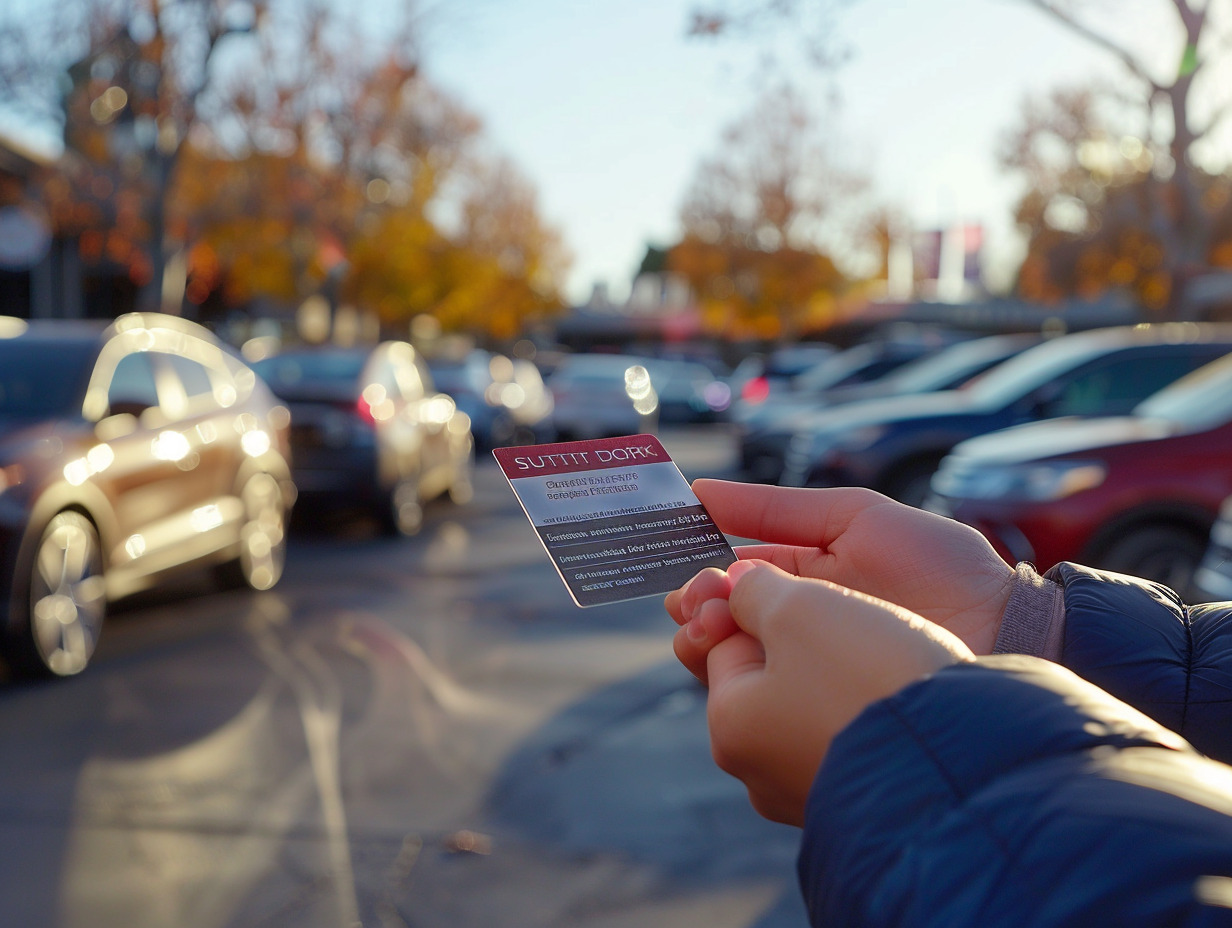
<point x="689" y="391"/>
<point x="1135" y="494"/>
<point x="506" y="398"/>
<point x="859" y="364"/>
<point x="759" y="375"/>
<point x="369" y="429"/>
<point x="895" y="444"/>
<point x="127" y="452"/>
<point x="763" y="438"/>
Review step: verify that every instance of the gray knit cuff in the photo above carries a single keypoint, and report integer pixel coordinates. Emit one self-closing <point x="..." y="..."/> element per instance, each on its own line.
<point x="1034" y="620"/>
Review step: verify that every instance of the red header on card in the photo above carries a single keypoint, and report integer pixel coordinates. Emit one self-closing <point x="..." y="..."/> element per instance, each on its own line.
<point x="570" y="456"/>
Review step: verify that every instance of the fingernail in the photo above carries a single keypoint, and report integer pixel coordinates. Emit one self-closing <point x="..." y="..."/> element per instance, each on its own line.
<point x="739" y="569"/>
<point x="695" y="630"/>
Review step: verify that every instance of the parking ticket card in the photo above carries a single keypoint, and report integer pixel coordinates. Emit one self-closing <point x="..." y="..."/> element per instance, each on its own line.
<point x="616" y="516"/>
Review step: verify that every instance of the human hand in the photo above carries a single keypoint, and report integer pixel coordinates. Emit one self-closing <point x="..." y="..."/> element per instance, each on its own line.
<point x="804" y="658"/>
<point x="936" y="567"/>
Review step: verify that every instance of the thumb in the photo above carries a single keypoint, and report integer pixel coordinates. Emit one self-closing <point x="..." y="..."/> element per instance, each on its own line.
<point x="758" y="590"/>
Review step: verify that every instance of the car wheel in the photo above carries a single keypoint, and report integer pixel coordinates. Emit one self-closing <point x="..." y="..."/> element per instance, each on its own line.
<point x="61" y="613"/>
<point x="1166" y="554"/>
<point x="401" y="511"/>
<point x="263" y="538"/>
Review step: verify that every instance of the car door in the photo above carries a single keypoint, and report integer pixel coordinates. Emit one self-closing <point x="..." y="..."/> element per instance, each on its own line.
<point x="169" y="457"/>
<point x="210" y="437"/>
<point x="135" y="463"/>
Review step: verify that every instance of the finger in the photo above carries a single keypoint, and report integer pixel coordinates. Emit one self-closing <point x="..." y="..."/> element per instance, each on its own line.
<point x="711" y="624"/>
<point x="733" y="658"/>
<point x="758" y="591"/>
<point x="671" y="602"/>
<point x="708" y="584"/>
<point x="783" y="515"/>
<point x="690" y="655"/>
<point x="794" y="559"/>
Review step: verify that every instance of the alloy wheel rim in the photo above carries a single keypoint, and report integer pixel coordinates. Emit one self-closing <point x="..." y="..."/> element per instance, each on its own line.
<point x="67" y="602"/>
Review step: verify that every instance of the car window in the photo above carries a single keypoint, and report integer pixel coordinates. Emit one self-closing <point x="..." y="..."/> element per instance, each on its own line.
<point x="184" y="385"/>
<point x="1202" y="399"/>
<point x="193" y="377"/>
<point x="42" y="378"/>
<point x="132" y="383"/>
<point x="1118" y="385"/>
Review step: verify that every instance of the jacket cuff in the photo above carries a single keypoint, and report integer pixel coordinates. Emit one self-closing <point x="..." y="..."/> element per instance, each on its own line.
<point x="1034" y="619"/>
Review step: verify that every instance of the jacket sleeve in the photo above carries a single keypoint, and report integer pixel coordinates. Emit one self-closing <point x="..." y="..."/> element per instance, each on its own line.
<point x="1008" y="791"/>
<point x="1138" y="641"/>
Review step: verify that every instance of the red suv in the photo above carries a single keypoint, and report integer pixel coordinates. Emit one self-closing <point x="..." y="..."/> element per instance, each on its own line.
<point x="1135" y="494"/>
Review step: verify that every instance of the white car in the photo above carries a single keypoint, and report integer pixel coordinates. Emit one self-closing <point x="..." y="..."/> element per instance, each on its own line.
<point x="603" y="395"/>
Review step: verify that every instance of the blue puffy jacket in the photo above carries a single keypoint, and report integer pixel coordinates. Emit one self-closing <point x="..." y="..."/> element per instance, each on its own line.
<point x="1012" y="791"/>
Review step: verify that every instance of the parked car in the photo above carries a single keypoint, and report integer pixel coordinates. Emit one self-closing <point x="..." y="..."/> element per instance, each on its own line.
<point x="763" y="438"/>
<point x="369" y="430"/>
<point x="758" y="375"/>
<point x="128" y="452"/>
<point x="859" y="364"/>
<point x="1135" y="494"/>
<point x="895" y="444"/>
<point x="603" y="395"/>
<point x="506" y="398"/>
<point x="689" y="392"/>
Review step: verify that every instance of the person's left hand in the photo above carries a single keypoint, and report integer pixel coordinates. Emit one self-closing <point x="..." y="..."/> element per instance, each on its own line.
<point x="801" y="660"/>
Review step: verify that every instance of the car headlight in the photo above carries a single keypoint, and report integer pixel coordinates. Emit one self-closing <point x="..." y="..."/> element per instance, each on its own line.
<point x="1037" y="482"/>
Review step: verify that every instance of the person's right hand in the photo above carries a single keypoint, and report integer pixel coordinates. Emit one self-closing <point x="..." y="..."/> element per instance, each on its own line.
<point x="804" y="659"/>
<point x="936" y="567"/>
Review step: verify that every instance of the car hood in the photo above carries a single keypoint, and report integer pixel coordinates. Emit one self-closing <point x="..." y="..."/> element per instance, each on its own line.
<point x="1070" y="435"/>
<point x="888" y="409"/>
<point x="22" y="436"/>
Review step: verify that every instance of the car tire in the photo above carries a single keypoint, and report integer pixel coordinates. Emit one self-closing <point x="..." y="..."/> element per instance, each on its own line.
<point x="1163" y="553"/>
<point x="263" y="538"/>
<point x="61" y="602"/>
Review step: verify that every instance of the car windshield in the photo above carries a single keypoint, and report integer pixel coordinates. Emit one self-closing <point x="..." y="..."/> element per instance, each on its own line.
<point x="835" y="369"/>
<point x="458" y="376"/>
<point x="952" y="365"/>
<point x="43" y="378"/>
<point x="595" y="369"/>
<point x="1036" y="366"/>
<point x="1200" y="400"/>
<point x="311" y="373"/>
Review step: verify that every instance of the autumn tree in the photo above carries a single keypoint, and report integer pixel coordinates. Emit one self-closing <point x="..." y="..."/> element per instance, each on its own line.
<point x="299" y="167"/>
<point x="754" y="221"/>
<point x="1164" y="134"/>
<point x="139" y="72"/>
<point x="1125" y="182"/>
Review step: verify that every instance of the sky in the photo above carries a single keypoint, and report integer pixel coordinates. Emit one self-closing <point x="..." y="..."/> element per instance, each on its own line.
<point x="608" y="108"/>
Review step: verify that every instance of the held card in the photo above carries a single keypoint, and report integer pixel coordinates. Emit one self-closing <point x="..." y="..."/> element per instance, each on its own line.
<point x="615" y="515"/>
